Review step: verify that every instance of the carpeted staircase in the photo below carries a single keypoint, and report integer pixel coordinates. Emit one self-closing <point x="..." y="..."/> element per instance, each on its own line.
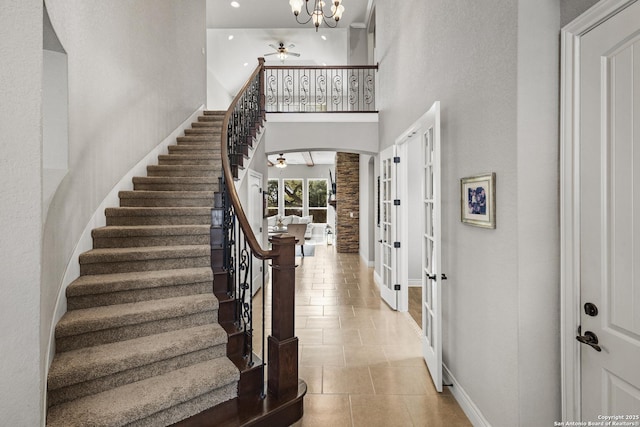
<point x="141" y="344"/>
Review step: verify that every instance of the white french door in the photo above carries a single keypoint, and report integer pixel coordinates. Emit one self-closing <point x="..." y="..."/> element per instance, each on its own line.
<point x="609" y="211"/>
<point x="432" y="277"/>
<point x="388" y="215"/>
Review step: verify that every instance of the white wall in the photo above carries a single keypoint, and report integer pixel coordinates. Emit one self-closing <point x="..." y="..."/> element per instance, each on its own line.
<point x="351" y="132"/>
<point x="55" y="121"/>
<point x="357" y="46"/>
<point x="136" y="72"/>
<point x="20" y="212"/>
<point x="217" y="96"/>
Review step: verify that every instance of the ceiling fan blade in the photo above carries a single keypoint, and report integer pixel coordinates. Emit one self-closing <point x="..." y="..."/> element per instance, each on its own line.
<point x="291" y="45"/>
<point x="272" y="53"/>
<point x="273" y="46"/>
<point x="293" y="54"/>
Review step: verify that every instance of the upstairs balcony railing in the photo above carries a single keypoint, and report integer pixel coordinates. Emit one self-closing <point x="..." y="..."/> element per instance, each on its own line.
<point x="320" y="89"/>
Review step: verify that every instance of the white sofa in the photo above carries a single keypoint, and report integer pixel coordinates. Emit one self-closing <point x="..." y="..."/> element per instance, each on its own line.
<point x="272" y="221"/>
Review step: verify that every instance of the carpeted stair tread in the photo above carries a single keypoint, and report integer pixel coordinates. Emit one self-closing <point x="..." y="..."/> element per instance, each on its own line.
<point x="158" y="211"/>
<point x="120" y="236"/>
<point x="175" y="180"/>
<point x="212" y="116"/>
<point x="202" y="159"/>
<point x="145" y="194"/>
<point x="167" y="198"/>
<point x="149" y="230"/>
<point x="137" y="401"/>
<point x="106" y="283"/>
<point x="86" y="320"/>
<point x="176" y="183"/>
<point x="213" y="149"/>
<point x="207" y="124"/>
<point x="142" y="253"/>
<point x="148" y="215"/>
<point x="182" y="170"/>
<point x="203" y="131"/>
<point x="214" y="112"/>
<point x="203" y="139"/>
<point x="89" y="363"/>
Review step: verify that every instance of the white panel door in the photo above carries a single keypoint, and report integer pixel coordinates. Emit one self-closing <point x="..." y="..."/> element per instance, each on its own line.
<point x="388" y="215"/>
<point x="429" y="132"/>
<point x="609" y="175"/>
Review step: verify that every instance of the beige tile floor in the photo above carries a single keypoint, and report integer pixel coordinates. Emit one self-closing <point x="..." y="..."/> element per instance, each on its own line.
<point x="362" y="361"/>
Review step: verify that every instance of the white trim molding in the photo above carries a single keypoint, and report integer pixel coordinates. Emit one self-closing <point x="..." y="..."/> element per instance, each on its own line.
<point x="468" y="407"/>
<point x="570" y="198"/>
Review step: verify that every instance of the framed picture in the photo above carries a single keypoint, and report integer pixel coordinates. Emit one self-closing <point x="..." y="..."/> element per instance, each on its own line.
<point x="478" y="200"/>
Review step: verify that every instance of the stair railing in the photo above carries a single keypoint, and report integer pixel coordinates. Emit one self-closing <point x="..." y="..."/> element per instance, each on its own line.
<point x="240" y="126"/>
<point x="320" y="89"/>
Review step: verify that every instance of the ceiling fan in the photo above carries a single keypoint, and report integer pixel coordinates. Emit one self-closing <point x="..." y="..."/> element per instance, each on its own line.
<point x="282" y="51"/>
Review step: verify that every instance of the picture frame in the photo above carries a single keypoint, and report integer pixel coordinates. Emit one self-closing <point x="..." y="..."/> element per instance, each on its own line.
<point x="478" y="200"/>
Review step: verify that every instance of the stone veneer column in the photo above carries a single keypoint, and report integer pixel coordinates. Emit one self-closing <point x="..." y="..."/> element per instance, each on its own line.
<point x="348" y="202"/>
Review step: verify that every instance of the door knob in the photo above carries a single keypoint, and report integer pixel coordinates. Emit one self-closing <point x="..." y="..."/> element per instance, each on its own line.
<point x="431" y="276"/>
<point x="590" y="339"/>
<point x="591" y="309"/>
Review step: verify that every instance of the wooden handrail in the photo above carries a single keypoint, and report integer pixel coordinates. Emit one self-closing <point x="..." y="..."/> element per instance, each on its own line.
<point x="255" y="246"/>
<point x="321" y="67"/>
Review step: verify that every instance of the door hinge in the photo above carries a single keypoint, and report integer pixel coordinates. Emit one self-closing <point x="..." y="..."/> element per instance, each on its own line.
<point x="396" y="202"/>
<point x="396" y="160"/>
<point x="396" y="287"/>
<point x="396" y="245"/>
<point x="260" y="229"/>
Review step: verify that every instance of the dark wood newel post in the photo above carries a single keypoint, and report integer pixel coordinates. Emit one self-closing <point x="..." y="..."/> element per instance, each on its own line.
<point x="282" y="343"/>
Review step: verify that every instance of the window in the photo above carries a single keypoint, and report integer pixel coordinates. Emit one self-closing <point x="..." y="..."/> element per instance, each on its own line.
<point x="293" y="197"/>
<point x="272" y="197"/>
<point x="317" y="199"/>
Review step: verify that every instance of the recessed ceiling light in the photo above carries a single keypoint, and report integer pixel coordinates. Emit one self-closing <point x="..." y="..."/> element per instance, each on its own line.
<point x="230" y="37"/>
<point x="245" y="64"/>
<point x="323" y="37"/>
<point x="324" y="64"/>
<point x="235" y="4"/>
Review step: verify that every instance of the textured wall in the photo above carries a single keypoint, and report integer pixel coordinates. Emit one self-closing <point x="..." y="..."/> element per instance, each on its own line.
<point x="20" y="211"/>
<point x="347" y="202"/>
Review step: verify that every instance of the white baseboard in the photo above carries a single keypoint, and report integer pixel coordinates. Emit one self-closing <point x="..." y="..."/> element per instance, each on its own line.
<point x="414" y="283"/>
<point x="98" y="219"/>
<point x="366" y="261"/>
<point x="377" y="279"/>
<point x="470" y="409"/>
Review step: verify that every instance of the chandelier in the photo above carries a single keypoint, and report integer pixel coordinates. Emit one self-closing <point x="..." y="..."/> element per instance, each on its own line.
<point x="317" y="14"/>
